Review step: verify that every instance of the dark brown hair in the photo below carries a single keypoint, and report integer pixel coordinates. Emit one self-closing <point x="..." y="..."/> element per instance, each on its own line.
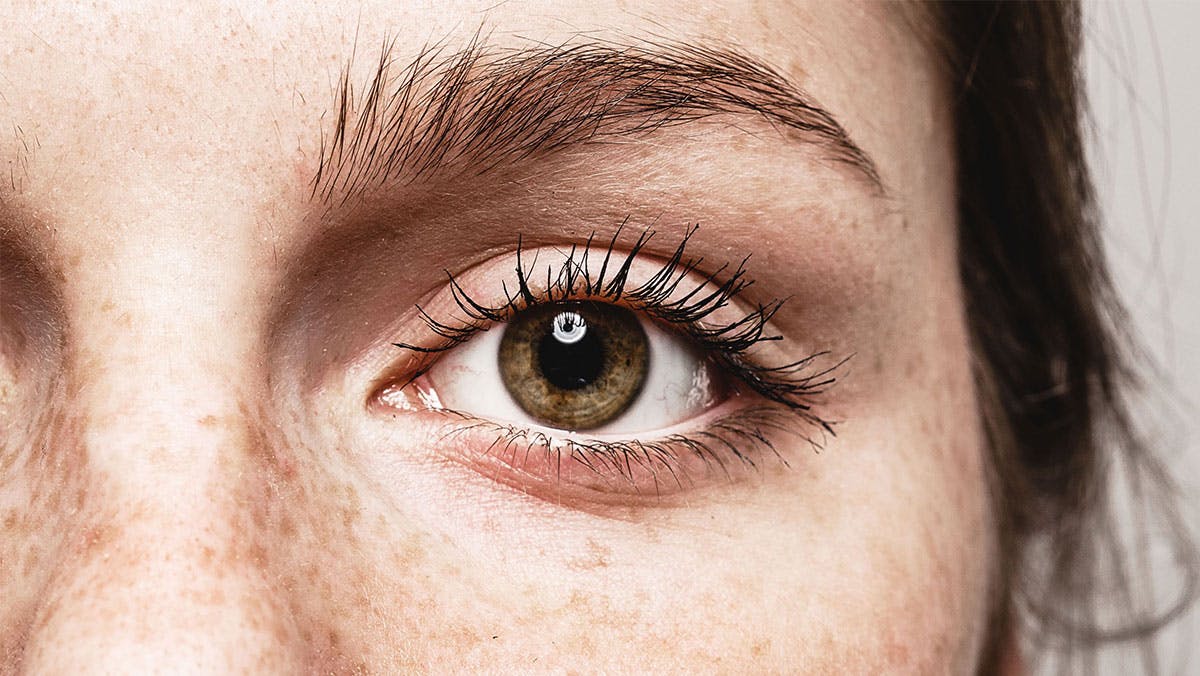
<point x="1053" y="363"/>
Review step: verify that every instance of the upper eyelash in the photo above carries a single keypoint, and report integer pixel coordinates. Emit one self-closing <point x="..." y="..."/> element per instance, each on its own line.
<point x="794" y="384"/>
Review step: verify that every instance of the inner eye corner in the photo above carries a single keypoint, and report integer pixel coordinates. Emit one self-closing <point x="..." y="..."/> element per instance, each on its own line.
<point x="394" y="388"/>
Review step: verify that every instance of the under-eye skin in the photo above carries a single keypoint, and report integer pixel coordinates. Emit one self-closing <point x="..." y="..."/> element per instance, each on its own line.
<point x="611" y="381"/>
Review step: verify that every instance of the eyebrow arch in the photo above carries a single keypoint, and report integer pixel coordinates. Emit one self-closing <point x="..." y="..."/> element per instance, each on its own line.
<point x="485" y="107"/>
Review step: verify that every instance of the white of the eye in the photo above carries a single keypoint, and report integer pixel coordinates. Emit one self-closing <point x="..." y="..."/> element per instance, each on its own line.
<point x="569" y="327"/>
<point x="678" y="384"/>
<point x="678" y="387"/>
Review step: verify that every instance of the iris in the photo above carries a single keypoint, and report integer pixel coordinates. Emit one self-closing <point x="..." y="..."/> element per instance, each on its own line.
<point x="574" y="365"/>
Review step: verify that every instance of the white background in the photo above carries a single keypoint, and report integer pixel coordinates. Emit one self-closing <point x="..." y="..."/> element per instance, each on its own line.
<point x="1142" y="62"/>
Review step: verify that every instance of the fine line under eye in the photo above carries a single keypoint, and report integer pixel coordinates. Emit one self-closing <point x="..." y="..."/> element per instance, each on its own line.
<point x="744" y="439"/>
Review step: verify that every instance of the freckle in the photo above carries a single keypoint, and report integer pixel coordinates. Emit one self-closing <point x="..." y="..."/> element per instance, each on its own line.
<point x="912" y="368"/>
<point x="31" y="559"/>
<point x="208" y="421"/>
<point x="363" y="603"/>
<point x="95" y="536"/>
<point x="411" y="555"/>
<point x="258" y="554"/>
<point x="577" y="599"/>
<point x="159" y="455"/>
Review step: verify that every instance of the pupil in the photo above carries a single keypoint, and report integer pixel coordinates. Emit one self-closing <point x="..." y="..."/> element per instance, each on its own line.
<point x="570" y="355"/>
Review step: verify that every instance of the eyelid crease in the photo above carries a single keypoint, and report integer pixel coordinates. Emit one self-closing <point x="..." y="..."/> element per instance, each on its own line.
<point x="796" y="384"/>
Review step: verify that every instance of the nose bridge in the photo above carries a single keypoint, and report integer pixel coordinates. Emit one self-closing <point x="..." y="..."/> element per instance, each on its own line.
<point x="159" y="571"/>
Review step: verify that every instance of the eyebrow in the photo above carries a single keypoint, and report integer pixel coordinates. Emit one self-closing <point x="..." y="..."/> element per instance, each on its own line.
<point x="485" y="107"/>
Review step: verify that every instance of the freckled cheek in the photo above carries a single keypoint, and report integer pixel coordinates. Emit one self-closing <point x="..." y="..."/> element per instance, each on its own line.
<point x="377" y="587"/>
<point x="872" y="553"/>
<point x="43" y="490"/>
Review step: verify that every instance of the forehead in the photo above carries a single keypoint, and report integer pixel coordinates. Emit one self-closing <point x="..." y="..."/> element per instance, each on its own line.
<point x="243" y="93"/>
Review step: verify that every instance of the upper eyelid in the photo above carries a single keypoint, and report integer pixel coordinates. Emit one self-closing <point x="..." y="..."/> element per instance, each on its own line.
<point x="679" y="293"/>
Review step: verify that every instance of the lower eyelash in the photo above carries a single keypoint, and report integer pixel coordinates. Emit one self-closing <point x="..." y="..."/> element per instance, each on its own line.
<point x="731" y="444"/>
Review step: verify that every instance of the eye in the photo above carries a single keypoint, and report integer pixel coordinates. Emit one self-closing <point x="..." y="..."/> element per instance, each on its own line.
<point x="606" y="374"/>
<point x="579" y="366"/>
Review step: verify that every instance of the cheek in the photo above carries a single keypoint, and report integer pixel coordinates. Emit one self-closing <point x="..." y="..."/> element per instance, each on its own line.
<point x="912" y="533"/>
<point x="857" y="560"/>
<point x="870" y="556"/>
<point x="43" y="493"/>
<point x="914" y="540"/>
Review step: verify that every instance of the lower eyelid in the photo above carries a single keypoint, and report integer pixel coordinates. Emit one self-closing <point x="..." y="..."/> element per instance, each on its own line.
<point x="733" y="443"/>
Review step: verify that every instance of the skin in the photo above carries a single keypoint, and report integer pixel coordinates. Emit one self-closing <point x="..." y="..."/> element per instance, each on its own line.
<point x="194" y="476"/>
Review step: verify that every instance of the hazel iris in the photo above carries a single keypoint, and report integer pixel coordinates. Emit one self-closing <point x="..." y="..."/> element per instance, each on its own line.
<point x="574" y="365"/>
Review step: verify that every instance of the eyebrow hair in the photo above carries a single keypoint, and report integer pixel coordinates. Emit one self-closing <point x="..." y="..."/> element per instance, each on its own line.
<point x="483" y="107"/>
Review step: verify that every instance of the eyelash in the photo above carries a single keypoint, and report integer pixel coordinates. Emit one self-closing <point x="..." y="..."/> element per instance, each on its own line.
<point x="792" y="387"/>
<point x="720" y="439"/>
